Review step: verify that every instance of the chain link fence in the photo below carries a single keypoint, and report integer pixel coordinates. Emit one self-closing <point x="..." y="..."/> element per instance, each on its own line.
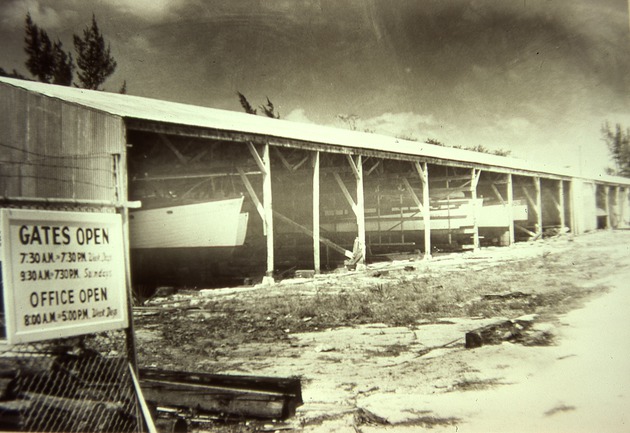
<point x="80" y="384"/>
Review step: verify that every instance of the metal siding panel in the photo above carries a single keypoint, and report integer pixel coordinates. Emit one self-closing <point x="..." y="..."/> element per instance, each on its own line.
<point x="89" y="140"/>
<point x="44" y="125"/>
<point x="89" y="132"/>
<point x="13" y="121"/>
<point x="55" y="149"/>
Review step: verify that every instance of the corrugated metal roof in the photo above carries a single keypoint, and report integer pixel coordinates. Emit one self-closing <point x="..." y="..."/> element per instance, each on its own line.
<point x="135" y="107"/>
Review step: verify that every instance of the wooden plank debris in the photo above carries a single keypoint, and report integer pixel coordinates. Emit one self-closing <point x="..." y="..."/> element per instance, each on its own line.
<point x="532" y="235"/>
<point x="309" y="232"/>
<point x="240" y="396"/>
<point x="505" y="330"/>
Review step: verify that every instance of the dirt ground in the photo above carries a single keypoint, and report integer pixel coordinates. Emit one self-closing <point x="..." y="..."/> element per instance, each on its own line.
<point x="383" y="348"/>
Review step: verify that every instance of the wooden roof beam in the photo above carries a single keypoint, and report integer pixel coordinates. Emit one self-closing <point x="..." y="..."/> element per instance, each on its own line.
<point x="174" y="149"/>
<point x="346" y="193"/>
<point x="259" y="161"/>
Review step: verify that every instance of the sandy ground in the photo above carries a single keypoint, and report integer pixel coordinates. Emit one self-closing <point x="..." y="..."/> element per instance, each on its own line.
<point x="375" y="377"/>
<point x="581" y="384"/>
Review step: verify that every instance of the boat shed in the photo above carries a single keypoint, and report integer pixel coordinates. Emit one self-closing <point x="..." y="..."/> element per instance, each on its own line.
<point x="302" y="196"/>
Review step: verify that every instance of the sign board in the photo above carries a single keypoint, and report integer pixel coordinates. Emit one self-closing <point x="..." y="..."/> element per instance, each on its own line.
<point x="63" y="274"/>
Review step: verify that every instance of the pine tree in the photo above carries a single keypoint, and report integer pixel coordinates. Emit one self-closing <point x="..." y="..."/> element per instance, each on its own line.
<point x="618" y="142"/>
<point x="63" y="65"/>
<point x="40" y="62"/>
<point x="46" y="61"/>
<point x="269" y="110"/>
<point x="245" y="104"/>
<point x="94" y="61"/>
<point x="12" y="74"/>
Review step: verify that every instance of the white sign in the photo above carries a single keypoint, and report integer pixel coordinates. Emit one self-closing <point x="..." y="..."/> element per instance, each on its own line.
<point x="63" y="274"/>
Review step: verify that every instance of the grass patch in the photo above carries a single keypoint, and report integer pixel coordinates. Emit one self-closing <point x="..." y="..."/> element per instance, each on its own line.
<point x="474" y="384"/>
<point x="558" y="409"/>
<point x="428" y="422"/>
<point x="546" y="285"/>
<point x="392" y="350"/>
<point x="395" y="302"/>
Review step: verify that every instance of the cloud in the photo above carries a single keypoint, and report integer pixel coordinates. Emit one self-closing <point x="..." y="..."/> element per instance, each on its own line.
<point x="141" y="43"/>
<point x="405" y="125"/>
<point x="149" y="10"/>
<point x="298" y="115"/>
<point x="509" y="127"/>
<point x="46" y="17"/>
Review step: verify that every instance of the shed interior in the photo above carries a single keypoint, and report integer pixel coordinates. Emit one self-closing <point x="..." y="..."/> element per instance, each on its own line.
<point x="168" y="169"/>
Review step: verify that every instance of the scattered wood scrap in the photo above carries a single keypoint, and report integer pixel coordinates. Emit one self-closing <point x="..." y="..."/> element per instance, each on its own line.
<point x="238" y="396"/>
<point x="496" y="333"/>
<point x="506" y="295"/>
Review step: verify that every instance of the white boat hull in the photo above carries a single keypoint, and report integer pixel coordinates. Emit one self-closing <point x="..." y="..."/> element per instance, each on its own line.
<point x="441" y="219"/>
<point x="201" y="225"/>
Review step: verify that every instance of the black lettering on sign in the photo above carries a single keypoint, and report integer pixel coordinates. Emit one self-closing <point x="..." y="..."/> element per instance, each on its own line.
<point x="92" y="236"/>
<point x="96" y="294"/>
<point x="50" y="298"/>
<point x="72" y="315"/>
<point x="44" y="235"/>
<point x="40" y="318"/>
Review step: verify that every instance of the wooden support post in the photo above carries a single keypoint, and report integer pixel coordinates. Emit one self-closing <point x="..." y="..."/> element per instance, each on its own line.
<point x="617" y="221"/>
<point x="448" y="204"/>
<point x="475" y="211"/>
<point x="357" y="167"/>
<point x="572" y="216"/>
<point x="346" y="193"/>
<point x="259" y="161"/>
<point x="497" y="193"/>
<point x="268" y="205"/>
<point x="536" y="204"/>
<point x="316" y="255"/>
<point x="378" y="213"/>
<point x="423" y="171"/>
<point x="421" y="208"/>
<point x="122" y="192"/>
<point x="607" y="206"/>
<point x="413" y="195"/>
<point x="427" y="209"/>
<point x="252" y="195"/>
<point x="529" y="198"/>
<point x="561" y="205"/>
<point x="623" y="197"/>
<point x="539" y="223"/>
<point x="358" y="207"/>
<point x="510" y="204"/>
<point x="264" y="164"/>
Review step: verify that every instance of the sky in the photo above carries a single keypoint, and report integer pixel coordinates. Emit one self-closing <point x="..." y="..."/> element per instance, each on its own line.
<point x="535" y="77"/>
